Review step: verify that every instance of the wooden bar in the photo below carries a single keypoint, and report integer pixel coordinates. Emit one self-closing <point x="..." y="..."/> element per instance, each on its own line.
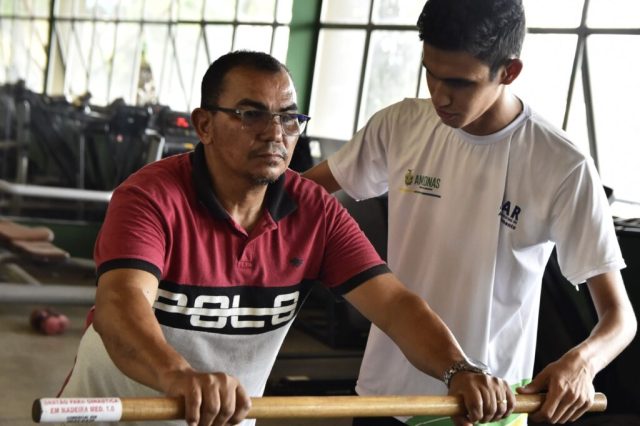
<point x="281" y="407"/>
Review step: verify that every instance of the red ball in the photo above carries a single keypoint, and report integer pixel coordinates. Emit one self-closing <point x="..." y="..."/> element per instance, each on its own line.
<point x="49" y="322"/>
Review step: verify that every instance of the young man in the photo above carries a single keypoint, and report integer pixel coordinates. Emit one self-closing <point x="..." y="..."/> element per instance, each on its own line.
<point x="480" y="190"/>
<point x="205" y="258"/>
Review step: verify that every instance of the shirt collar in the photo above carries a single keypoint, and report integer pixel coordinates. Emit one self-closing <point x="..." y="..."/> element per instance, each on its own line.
<point x="278" y="202"/>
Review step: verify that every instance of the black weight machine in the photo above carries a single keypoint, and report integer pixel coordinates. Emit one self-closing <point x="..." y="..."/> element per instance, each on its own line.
<point x="60" y="162"/>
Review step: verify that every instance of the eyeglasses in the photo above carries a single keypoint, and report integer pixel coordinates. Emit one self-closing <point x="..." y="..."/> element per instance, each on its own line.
<point x="256" y="120"/>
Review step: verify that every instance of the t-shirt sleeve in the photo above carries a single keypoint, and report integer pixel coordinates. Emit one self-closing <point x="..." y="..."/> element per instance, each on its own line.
<point x="133" y="233"/>
<point x="360" y="165"/>
<point x="349" y="258"/>
<point x="582" y="227"/>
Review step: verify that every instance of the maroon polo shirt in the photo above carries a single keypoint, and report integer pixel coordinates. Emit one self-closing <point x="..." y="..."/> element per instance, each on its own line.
<point x="213" y="275"/>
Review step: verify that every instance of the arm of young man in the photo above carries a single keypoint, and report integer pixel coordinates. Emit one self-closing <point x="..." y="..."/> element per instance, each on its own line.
<point x="127" y="325"/>
<point x="429" y="345"/>
<point x="569" y="380"/>
<point x="321" y="174"/>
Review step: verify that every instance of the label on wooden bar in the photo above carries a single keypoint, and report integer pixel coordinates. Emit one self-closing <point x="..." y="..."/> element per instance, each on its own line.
<point x="80" y="410"/>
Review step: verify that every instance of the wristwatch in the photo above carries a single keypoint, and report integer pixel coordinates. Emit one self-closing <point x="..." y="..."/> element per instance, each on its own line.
<point x="466" y="364"/>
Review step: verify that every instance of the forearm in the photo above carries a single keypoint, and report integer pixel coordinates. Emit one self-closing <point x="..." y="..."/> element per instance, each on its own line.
<point x="408" y="320"/>
<point x="423" y="337"/>
<point x="133" y="338"/>
<point x="135" y="342"/>
<point x="616" y="322"/>
<point x="568" y="382"/>
<point x="429" y="345"/>
<point x="321" y="174"/>
<point x="615" y="329"/>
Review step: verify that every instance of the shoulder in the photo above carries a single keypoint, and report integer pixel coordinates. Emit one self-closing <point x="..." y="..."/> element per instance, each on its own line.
<point x="160" y="178"/>
<point x="408" y="110"/>
<point x="313" y="200"/>
<point x="306" y="192"/>
<point x="549" y="143"/>
<point x="400" y="122"/>
<point x="550" y="163"/>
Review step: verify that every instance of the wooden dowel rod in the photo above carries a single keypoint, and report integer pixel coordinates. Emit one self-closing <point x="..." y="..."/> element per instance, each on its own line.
<point x="271" y="407"/>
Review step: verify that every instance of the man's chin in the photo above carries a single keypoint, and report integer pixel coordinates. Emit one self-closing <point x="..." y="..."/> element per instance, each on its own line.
<point x="266" y="179"/>
<point x="268" y="175"/>
<point x="453" y="123"/>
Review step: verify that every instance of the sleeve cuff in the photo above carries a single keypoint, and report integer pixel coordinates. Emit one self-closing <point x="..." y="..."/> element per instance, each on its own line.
<point x="129" y="264"/>
<point x="360" y="278"/>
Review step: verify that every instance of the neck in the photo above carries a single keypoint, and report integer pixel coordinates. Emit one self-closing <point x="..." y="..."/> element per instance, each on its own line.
<point x="243" y="200"/>
<point x="505" y="109"/>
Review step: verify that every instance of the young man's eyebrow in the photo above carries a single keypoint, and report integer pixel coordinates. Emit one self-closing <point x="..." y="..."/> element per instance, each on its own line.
<point x="447" y="80"/>
<point x="263" y="107"/>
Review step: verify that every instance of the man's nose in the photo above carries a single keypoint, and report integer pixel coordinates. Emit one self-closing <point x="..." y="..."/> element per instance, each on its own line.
<point x="440" y="95"/>
<point x="274" y="128"/>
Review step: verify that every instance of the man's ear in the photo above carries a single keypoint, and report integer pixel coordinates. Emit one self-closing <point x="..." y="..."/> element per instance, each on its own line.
<point x="203" y="124"/>
<point x="511" y="71"/>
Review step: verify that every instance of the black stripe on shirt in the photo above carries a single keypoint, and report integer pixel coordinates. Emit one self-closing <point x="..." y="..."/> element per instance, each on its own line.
<point x="360" y="278"/>
<point x="129" y="264"/>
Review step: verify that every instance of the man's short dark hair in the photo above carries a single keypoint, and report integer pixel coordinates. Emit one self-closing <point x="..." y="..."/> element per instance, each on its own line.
<point x="212" y="82"/>
<point x="489" y="30"/>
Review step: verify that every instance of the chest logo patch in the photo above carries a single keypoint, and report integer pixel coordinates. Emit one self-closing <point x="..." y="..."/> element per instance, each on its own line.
<point x="421" y="184"/>
<point x="510" y="214"/>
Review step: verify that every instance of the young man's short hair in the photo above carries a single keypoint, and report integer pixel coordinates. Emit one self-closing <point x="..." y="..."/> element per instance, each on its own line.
<point x="489" y="30"/>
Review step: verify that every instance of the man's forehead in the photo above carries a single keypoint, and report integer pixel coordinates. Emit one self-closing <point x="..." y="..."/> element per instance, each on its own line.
<point x="259" y="86"/>
<point x="453" y="64"/>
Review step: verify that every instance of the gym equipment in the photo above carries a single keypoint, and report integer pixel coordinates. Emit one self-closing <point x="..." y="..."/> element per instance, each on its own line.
<point x="20" y="244"/>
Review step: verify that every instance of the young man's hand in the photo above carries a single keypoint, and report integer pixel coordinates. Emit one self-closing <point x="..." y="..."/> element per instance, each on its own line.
<point x="568" y="383"/>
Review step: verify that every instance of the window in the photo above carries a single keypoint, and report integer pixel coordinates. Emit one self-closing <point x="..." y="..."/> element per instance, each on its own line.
<point x="580" y="72"/>
<point x="138" y="50"/>
<point x="24" y="31"/>
<point x="615" y="92"/>
<point x="363" y="62"/>
<point x="584" y="59"/>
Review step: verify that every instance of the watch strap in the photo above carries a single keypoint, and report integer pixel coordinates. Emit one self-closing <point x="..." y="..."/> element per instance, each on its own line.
<point x="463" y="365"/>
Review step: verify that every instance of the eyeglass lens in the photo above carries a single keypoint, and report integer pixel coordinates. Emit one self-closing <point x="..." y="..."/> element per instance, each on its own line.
<point x="259" y="120"/>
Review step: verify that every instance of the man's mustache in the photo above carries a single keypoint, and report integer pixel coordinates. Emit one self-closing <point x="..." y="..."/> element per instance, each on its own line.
<point x="272" y="149"/>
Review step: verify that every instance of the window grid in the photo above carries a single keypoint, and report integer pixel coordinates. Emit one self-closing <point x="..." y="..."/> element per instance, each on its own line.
<point x="66" y="42"/>
<point x="583" y="31"/>
<point x="33" y="45"/>
<point x="580" y="75"/>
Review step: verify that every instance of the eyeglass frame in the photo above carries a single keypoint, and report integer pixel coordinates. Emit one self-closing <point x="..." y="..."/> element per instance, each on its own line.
<point x="239" y="113"/>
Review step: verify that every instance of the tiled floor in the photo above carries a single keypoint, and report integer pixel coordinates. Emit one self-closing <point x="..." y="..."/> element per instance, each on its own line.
<point x="32" y="365"/>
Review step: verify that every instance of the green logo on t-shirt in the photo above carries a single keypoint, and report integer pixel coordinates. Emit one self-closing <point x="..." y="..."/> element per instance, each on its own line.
<point x="418" y="184"/>
<point x="408" y="178"/>
<point x="422" y="181"/>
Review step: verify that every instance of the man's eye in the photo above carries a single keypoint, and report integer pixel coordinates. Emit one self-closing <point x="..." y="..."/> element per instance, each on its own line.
<point x="288" y="118"/>
<point x="459" y="83"/>
<point x="253" y="114"/>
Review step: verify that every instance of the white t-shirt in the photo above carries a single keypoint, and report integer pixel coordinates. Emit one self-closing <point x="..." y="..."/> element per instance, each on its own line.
<point x="472" y="223"/>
